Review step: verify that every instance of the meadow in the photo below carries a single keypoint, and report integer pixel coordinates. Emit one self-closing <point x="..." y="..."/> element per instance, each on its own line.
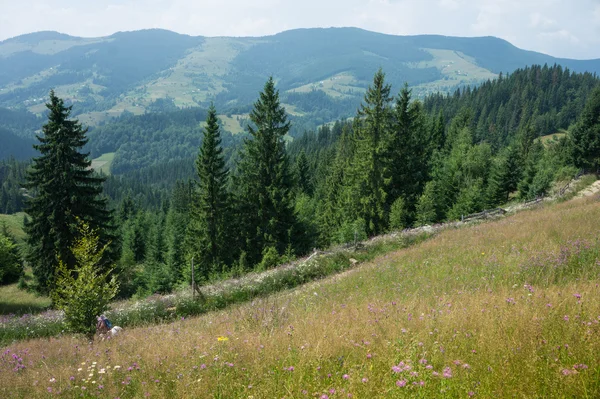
<point x="509" y="308"/>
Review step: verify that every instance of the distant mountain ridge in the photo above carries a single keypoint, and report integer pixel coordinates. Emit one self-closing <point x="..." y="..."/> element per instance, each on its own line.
<point x="130" y="71"/>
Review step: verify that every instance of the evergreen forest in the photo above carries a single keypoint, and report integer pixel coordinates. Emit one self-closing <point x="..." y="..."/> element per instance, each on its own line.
<point x="184" y="188"/>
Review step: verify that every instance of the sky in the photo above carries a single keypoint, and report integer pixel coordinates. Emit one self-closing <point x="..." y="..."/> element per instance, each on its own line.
<point x="562" y="28"/>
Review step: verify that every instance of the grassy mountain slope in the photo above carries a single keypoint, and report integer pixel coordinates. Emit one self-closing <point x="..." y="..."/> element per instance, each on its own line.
<point x="131" y="70"/>
<point x="508" y="308"/>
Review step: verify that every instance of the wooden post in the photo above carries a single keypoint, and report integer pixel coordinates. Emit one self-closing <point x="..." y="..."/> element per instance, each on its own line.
<point x="193" y="281"/>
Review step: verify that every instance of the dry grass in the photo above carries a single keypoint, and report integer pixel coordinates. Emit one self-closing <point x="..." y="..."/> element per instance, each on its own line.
<point x="481" y="305"/>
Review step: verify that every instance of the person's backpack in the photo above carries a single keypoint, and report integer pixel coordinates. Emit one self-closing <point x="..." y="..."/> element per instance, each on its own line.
<point x="108" y="324"/>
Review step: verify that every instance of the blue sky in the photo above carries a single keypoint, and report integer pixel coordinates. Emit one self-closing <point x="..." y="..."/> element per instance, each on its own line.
<point x="563" y="28"/>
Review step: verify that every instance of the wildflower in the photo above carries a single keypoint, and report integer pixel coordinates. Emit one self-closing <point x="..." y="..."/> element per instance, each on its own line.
<point x="291" y="368"/>
<point x="396" y="369"/>
<point x="345" y="376"/>
<point x="471" y="393"/>
<point x="203" y="366"/>
<point x="578" y="296"/>
<point x="369" y="356"/>
<point x="447" y="372"/>
<point x="72" y="378"/>
<point x="117" y="367"/>
<point x="466" y="366"/>
<point x="52" y="379"/>
<point x="324" y="396"/>
<point x="566" y="318"/>
<point x="102" y="371"/>
<point x="401" y="383"/>
<point x="365" y="380"/>
<point x="222" y="338"/>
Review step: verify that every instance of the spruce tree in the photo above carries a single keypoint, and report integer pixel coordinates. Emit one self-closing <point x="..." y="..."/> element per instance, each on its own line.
<point x="210" y="207"/>
<point x="303" y="177"/>
<point x="64" y="190"/>
<point x="408" y="151"/>
<point x="369" y="181"/>
<point x="585" y="137"/>
<point x="264" y="183"/>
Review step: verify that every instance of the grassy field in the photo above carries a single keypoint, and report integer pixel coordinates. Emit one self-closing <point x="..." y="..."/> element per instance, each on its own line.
<point x="103" y="162"/>
<point x="550" y="138"/>
<point x="16" y="301"/>
<point x="234" y="124"/>
<point x="509" y="308"/>
<point x="338" y="86"/>
<point x="456" y="68"/>
<point x="14" y="223"/>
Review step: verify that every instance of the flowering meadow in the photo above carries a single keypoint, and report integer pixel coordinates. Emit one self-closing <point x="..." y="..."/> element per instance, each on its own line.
<point x="509" y="308"/>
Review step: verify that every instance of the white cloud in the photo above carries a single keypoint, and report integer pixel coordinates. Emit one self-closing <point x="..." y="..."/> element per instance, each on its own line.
<point x="561" y="34"/>
<point x="557" y="27"/>
<point x="541" y="21"/>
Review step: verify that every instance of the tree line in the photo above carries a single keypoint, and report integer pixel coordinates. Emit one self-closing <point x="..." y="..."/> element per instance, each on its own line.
<point x="398" y="163"/>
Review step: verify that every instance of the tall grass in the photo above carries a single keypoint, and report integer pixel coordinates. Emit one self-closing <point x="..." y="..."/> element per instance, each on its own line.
<point x="509" y="308"/>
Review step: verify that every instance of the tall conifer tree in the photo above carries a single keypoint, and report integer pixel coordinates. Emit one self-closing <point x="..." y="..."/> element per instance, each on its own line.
<point x="585" y="137"/>
<point x="64" y="189"/>
<point x="264" y="182"/>
<point x="210" y="206"/>
<point x="369" y="179"/>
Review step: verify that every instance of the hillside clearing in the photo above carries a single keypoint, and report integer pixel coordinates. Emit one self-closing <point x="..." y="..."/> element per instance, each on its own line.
<point x="507" y="308"/>
<point x="103" y="162"/>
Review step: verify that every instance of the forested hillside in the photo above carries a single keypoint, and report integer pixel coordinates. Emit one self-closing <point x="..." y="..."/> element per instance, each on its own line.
<point x="17" y="131"/>
<point x="137" y="71"/>
<point x="400" y="162"/>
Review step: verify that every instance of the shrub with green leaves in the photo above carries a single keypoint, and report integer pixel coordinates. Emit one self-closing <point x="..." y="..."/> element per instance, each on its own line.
<point x="11" y="265"/>
<point x="84" y="292"/>
<point x="270" y="259"/>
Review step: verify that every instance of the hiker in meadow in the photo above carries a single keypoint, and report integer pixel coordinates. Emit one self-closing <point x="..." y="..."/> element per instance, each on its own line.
<point x="105" y="328"/>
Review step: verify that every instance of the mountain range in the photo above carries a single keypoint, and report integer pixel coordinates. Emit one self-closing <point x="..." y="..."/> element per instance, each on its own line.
<point x="315" y="69"/>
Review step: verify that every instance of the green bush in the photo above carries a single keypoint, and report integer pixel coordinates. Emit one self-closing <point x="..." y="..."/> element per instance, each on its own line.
<point x="270" y="259"/>
<point x="352" y="231"/>
<point x="85" y="292"/>
<point x="11" y="265"/>
<point x="398" y="214"/>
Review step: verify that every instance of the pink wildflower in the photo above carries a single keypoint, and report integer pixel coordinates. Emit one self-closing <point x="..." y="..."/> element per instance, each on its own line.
<point x="447" y="372"/>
